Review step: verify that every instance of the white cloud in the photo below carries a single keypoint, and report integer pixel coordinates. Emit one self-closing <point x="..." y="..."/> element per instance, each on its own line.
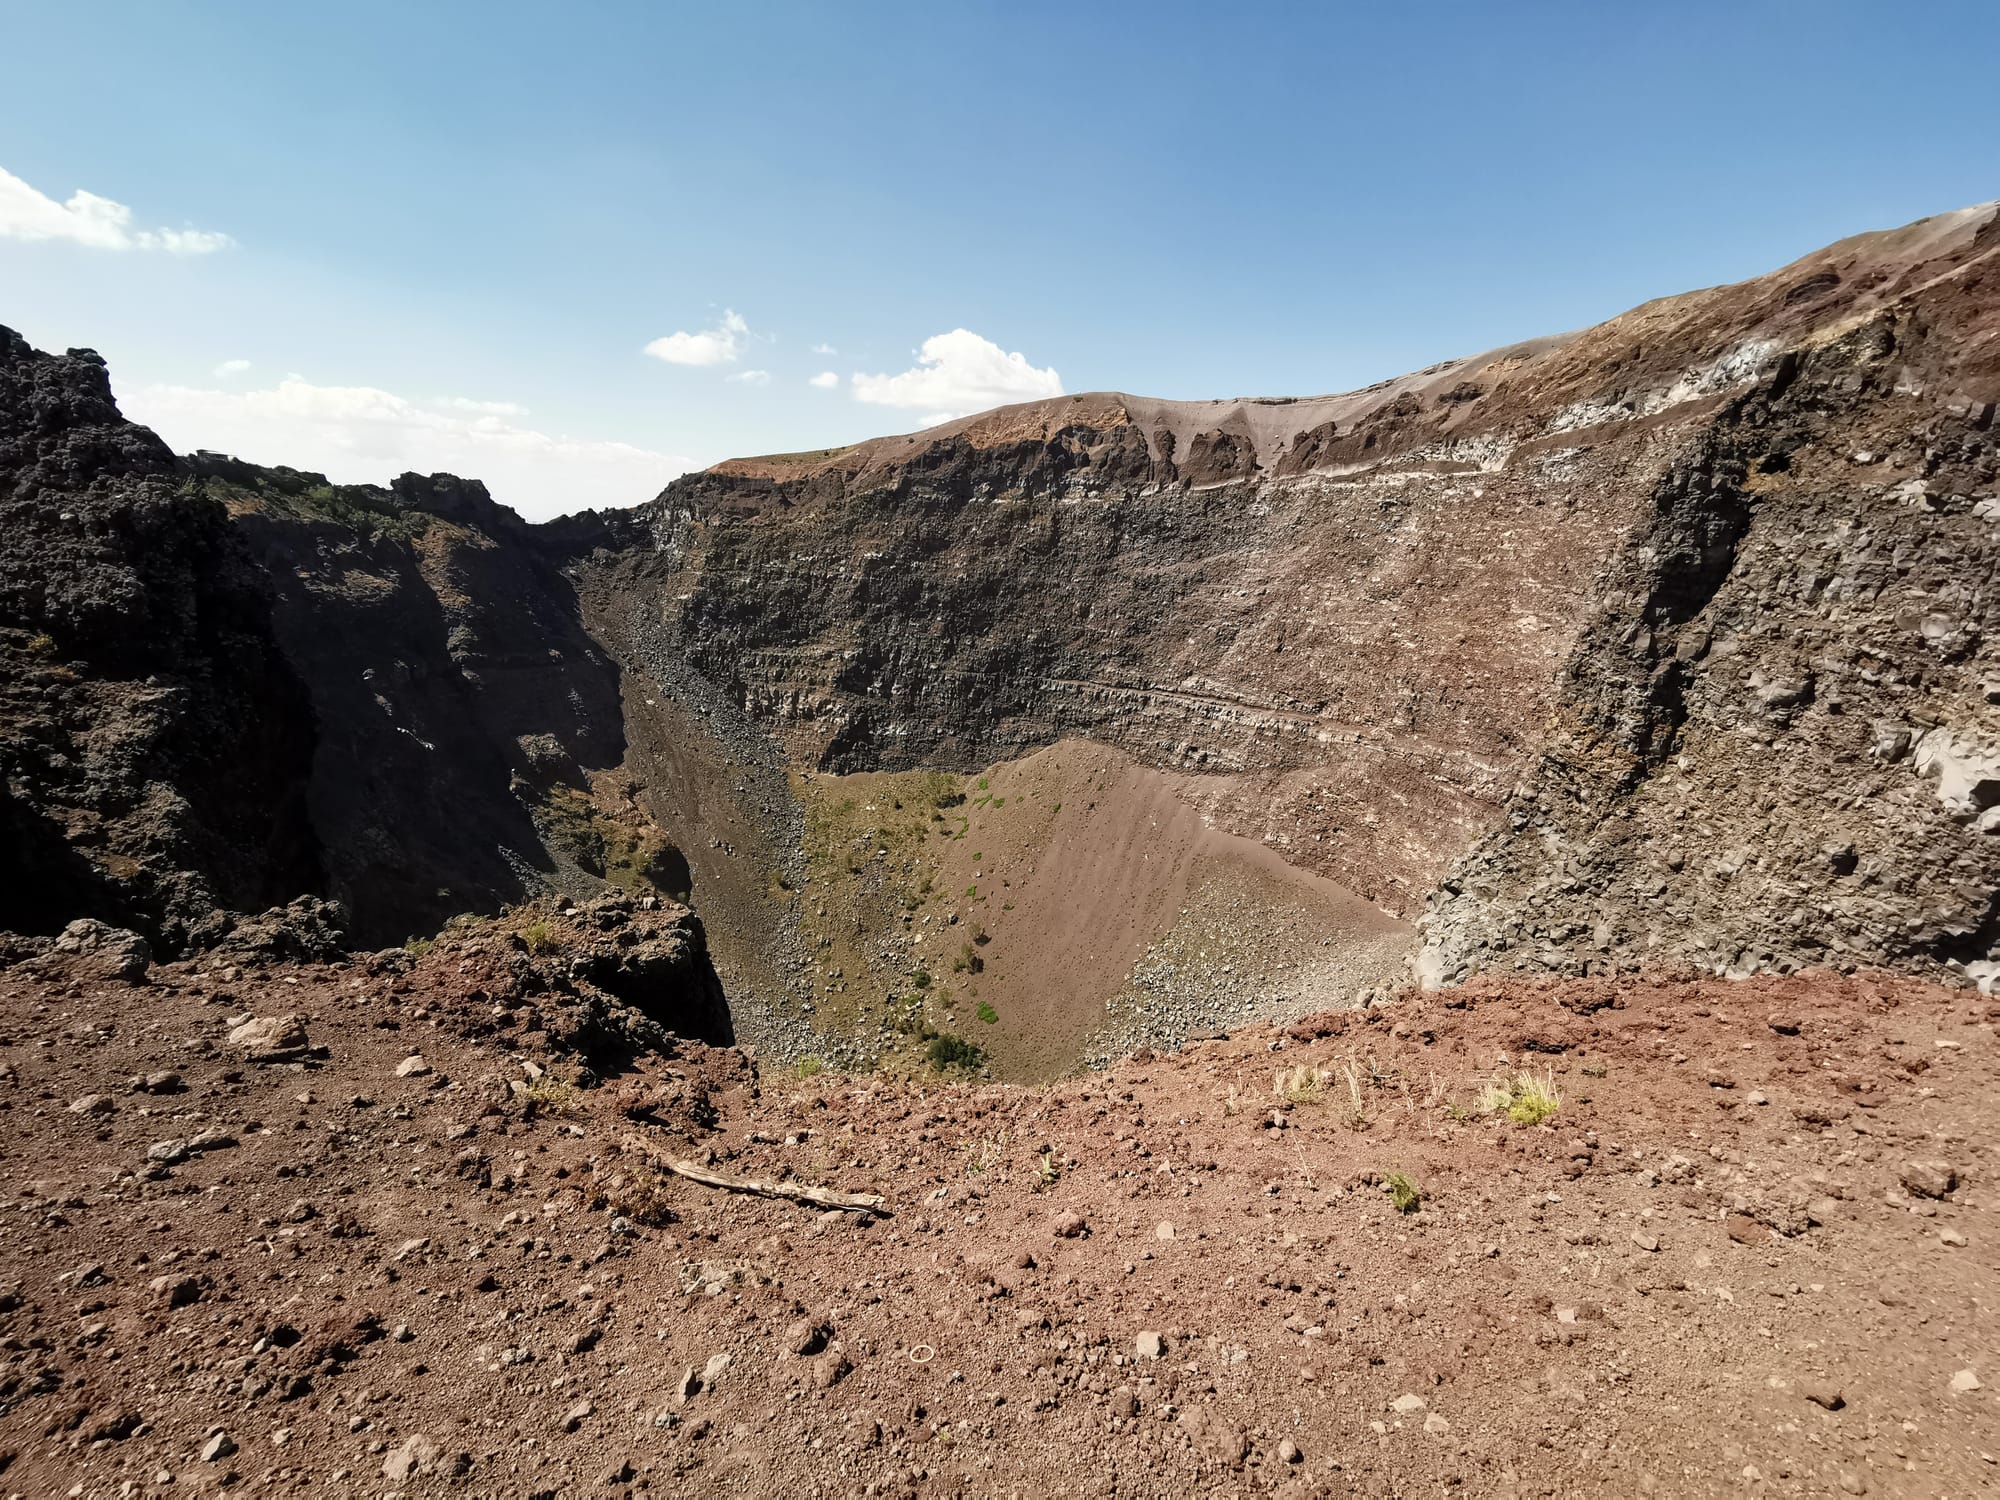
<point x="963" y="371"/>
<point x="485" y="408"/>
<point x="750" y="377"/>
<point x="87" y="219"/>
<point x="358" y="434"/>
<point x="824" y="349"/>
<point x="719" y="345"/>
<point x="826" y="380"/>
<point x="231" y="367"/>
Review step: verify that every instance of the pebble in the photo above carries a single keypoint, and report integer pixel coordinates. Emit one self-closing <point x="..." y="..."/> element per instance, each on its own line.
<point x="1150" y="1345"/>
<point x="94" y="1104"/>
<point x="413" y="1066"/>
<point x="1288" y="1452"/>
<point x="1068" y="1225"/>
<point x="1647" y="1242"/>
<point x="1930" y="1179"/>
<point x="1407" y="1403"/>
<point x="572" y="1419"/>
<point x="1951" y="1237"/>
<point x="1823" y="1393"/>
<point x="1965" y="1381"/>
<point x="217" y="1448"/>
<point x="1163" y="1231"/>
<point x="167" y="1151"/>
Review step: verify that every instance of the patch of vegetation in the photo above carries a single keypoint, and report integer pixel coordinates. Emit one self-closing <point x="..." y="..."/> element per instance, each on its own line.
<point x="417" y="947"/>
<point x="968" y="961"/>
<point x="987" y="1013"/>
<point x="549" y="1095"/>
<point x="921" y="978"/>
<point x="948" y="1053"/>
<point x="808" y="1067"/>
<point x="1403" y="1192"/>
<point x="1047" y="1172"/>
<point x="1522" y="1097"/>
<point x="540" y="938"/>
<point x="362" y="508"/>
<point x="625" y="852"/>
<point x="1301" y="1085"/>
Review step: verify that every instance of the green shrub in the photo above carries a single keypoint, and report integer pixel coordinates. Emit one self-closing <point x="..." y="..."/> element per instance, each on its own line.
<point x="948" y="1053"/>
<point x="1403" y="1192"/>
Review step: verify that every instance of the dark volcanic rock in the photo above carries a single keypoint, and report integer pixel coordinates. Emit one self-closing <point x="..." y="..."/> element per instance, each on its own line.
<point x="154" y="745"/>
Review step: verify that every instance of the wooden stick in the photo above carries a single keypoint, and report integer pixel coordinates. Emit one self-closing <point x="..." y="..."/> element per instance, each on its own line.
<point x="873" y="1203"/>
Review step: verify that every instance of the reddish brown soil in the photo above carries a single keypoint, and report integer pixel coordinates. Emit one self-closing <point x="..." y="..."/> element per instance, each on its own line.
<point x="431" y="1259"/>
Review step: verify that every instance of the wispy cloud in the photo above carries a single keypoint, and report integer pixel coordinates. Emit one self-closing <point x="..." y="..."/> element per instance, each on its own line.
<point x="750" y="377"/>
<point x="959" y="371"/>
<point x="720" y="345"/>
<point x="826" y="380"/>
<point x="824" y="349"/>
<point x="231" y="367"/>
<point x="87" y="219"/>
<point x="359" y="434"/>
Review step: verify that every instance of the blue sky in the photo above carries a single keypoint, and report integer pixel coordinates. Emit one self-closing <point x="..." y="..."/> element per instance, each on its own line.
<point x="454" y="230"/>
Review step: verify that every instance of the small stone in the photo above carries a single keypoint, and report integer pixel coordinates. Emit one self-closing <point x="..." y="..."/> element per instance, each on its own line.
<point x="1745" y="1230"/>
<point x="572" y="1419"/>
<point x="712" y="1371"/>
<point x="413" y="1066"/>
<point x="1163" y="1231"/>
<point x="1150" y="1345"/>
<point x="1930" y="1179"/>
<point x="1952" y="1237"/>
<point x="1069" y="1225"/>
<point x="178" y="1291"/>
<point x="830" y="1369"/>
<point x="1407" y="1403"/>
<point x="1823" y="1393"/>
<point x="1650" y="1243"/>
<point x="415" y="1455"/>
<point x="1124" y="1402"/>
<point x="1436" y="1425"/>
<point x="167" y="1151"/>
<point x="1288" y="1452"/>
<point x="214" y="1138"/>
<point x="1758" y="1096"/>
<point x="165" y="1081"/>
<point x="1964" y="1381"/>
<point x="807" y="1336"/>
<point x="270" y="1039"/>
<point x="217" y="1448"/>
<point x="94" y="1104"/>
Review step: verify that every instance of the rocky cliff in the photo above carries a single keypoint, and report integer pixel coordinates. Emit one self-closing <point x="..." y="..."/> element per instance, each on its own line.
<point x="1663" y="643"/>
<point x="1682" y="621"/>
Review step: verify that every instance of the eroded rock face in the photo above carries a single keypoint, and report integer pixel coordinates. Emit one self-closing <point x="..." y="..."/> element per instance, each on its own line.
<point x="1668" y="641"/>
<point x="1674" y="631"/>
<point x="154" y="745"/>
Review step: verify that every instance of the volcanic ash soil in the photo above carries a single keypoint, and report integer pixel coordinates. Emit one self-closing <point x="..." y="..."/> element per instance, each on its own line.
<point x="376" y="1227"/>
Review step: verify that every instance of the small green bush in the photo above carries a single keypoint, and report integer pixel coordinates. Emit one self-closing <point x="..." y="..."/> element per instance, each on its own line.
<point x="1403" y="1192"/>
<point x="948" y="1053"/>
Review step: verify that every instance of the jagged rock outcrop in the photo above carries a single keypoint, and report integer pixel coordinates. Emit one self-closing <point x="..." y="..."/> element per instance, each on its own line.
<point x="154" y="743"/>
<point x="1778" y="742"/>
<point x="224" y="686"/>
